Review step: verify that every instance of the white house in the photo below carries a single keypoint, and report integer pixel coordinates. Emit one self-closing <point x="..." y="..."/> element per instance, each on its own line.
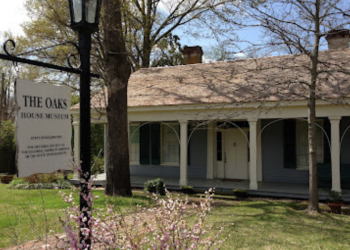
<point x="239" y="123"/>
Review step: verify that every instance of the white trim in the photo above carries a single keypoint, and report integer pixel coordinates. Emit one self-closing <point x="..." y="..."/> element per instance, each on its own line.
<point x="211" y="149"/>
<point x="335" y="149"/>
<point x="183" y="153"/>
<point x="253" y="165"/>
<point x="105" y="145"/>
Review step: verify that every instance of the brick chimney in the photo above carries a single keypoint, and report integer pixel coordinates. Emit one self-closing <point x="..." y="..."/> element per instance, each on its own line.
<point x="338" y="39"/>
<point x="192" y="55"/>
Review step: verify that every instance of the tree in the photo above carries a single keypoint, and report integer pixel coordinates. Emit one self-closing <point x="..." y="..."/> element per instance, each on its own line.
<point x="118" y="70"/>
<point x="169" y="52"/>
<point x="299" y="27"/>
<point x="148" y="22"/>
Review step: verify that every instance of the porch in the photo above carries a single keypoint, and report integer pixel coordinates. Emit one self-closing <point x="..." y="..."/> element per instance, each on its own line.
<point x="270" y="189"/>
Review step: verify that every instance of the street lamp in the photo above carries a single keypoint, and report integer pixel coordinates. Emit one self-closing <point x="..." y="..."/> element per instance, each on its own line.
<point x="85" y="14"/>
<point x="84" y="19"/>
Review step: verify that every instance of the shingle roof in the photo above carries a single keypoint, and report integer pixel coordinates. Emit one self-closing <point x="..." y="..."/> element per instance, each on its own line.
<point x="280" y="78"/>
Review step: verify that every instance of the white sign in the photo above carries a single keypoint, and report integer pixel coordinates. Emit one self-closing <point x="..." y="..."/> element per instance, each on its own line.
<point x="43" y="128"/>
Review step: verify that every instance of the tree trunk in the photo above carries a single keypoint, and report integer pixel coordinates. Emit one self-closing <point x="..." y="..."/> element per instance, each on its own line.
<point x="118" y="71"/>
<point x="313" y="175"/>
<point x="147" y="43"/>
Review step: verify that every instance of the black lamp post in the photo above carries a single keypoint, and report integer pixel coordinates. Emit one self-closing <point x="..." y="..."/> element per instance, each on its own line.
<point x="84" y="19"/>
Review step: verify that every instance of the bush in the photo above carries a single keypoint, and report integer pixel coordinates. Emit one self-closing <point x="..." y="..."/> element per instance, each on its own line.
<point x="164" y="226"/>
<point x="43" y="178"/>
<point x="7" y="136"/>
<point x="155" y="186"/>
<point x="16" y="182"/>
<point x="29" y="186"/>
<point x="240" y="193"/>
<point x="187" y="189"/>
<point x="23" y="184"/>
<point x="7" y="147"/>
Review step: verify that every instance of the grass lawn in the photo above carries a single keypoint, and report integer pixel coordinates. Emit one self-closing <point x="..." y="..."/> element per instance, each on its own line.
<point x="279" y="225"/>
<point x="252" y="224"/>
<point x="22" y="212"/>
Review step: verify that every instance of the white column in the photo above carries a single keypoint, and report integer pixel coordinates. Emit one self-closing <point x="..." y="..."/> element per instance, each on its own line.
<point x="253" y="166"/>
<point x="183" y="153"/>
<point x="335" y="153"/>
<point x="210" y="150"/>
<point x="76" y="146"/>
<point x="105" y="141"/>
<point x="259" y="152"/>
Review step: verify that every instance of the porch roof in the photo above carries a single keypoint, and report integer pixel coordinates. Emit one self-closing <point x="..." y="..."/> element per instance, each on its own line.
<point x="280" y="78"/>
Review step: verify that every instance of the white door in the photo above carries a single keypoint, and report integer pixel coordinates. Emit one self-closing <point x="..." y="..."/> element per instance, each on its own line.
<point x="236" y="154"/>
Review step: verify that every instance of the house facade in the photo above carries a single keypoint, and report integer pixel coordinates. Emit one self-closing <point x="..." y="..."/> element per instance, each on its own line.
<point x="237" y="121"/>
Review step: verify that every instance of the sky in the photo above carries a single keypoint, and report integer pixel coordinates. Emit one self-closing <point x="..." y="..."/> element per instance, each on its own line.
<point x="12" y="14"/>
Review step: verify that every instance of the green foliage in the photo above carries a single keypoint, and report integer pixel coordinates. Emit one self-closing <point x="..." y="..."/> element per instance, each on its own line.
<point x="169" y="52"/>
<point x="97" y="135"/>
<point x="155" y="186"/>
<point x="7" y="137"/>
<point x="75" y="99"/>
<point x="98" y="168"/>
<point x="187" y="189"/>
<point x="60" y="185"/>
<point x="43" y="178"/>
<point x="240" y="193"/>
<point x="16" y="182"/>
<point x="335" y="197"/>
<point x="41" y="181"/>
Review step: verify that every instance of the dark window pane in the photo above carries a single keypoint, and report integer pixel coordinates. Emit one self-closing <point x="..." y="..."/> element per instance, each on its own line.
<point x="219" y="146"/>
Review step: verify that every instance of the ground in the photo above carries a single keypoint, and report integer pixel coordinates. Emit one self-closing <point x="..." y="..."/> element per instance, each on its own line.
<point x="254" y="223"/>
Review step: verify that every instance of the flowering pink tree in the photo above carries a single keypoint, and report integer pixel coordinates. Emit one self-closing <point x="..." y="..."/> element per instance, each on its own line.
<point x="169" y="224"/>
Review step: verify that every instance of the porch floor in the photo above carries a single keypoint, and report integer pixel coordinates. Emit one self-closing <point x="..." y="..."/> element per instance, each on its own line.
<point x="273" y="189"/>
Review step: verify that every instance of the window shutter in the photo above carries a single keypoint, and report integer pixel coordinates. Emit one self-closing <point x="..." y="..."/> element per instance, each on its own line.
<point x="289" y="141"/>
<point x="189" y="131"/>
<point x="326" y="149"/>
<point x="144" y="144"/>
<point x="155" y="143"/>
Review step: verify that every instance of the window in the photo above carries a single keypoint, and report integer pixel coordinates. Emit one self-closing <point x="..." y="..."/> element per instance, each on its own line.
<point x="302" y="144"/>
<point x="155" y="144"/>
<point x="170" y="144"/>
<point x="134" y="144"/>
<point x="219" y="146"/>
<point x="296" y="153"/>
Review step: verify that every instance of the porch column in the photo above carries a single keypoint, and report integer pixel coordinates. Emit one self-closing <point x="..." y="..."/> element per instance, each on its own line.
<point x="210" y="151"/>
<point x="335" y="153"/>
<point x="253" y="146"/>
<point x="183" y="153"/>
<point x="76" y="146"/>
<point x="105" y="141"/>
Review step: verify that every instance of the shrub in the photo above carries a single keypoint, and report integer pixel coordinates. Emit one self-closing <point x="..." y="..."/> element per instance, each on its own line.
<point x="164" y="226"/>
<point x="8" y="146"/>
<point x="42" y="178"/>
<point x="7" y="136"/>
<point x="187" y="189"/>
<point x="62" y="184"/>
<point x="240" y="193"/>
<point x="16" y="182"/>
<point x="335" y="197"/>
<point x="155" y="186"/>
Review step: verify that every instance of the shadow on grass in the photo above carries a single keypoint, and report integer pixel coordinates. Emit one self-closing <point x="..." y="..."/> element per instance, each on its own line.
<point x="281" y="225"/>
